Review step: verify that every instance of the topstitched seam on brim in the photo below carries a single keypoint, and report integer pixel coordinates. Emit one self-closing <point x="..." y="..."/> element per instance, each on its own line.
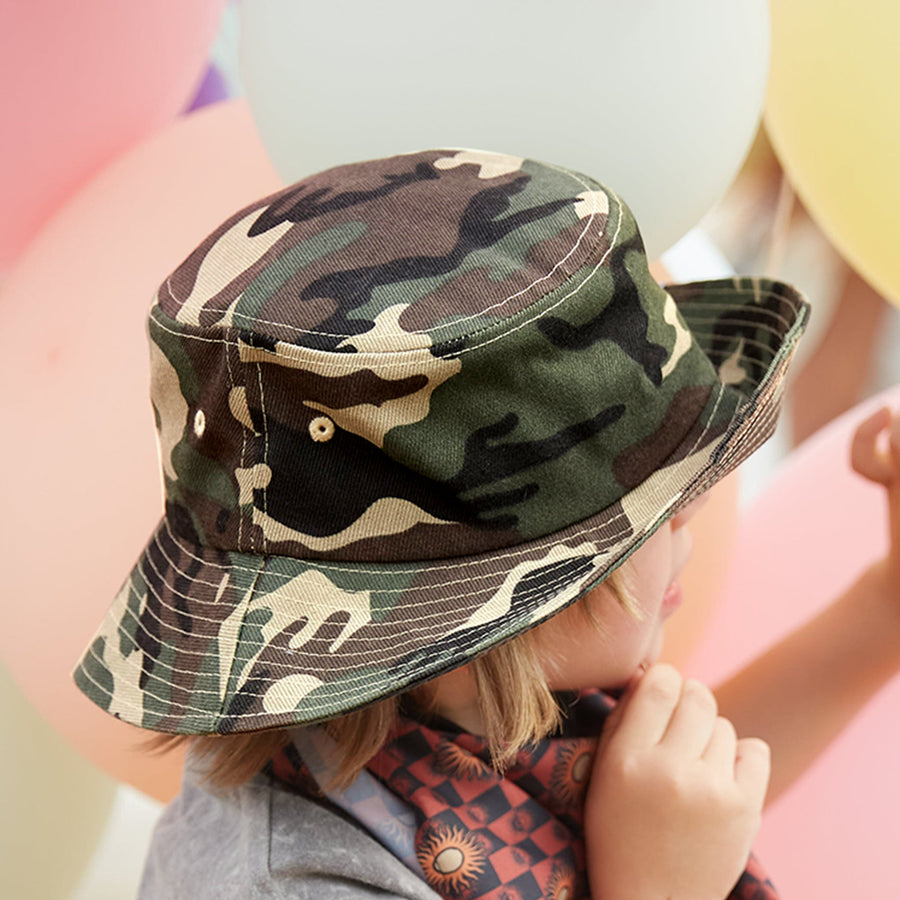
<point x="557" y="264"/>
<point x="772" y="329"/>
<point x="342" y="361"/>
<point x="735" y="286"/>
<point x="710" y="419"/>
<point x="744" y="357"/>
<point x="397" y="641"/>
<point x="538" y="599"/>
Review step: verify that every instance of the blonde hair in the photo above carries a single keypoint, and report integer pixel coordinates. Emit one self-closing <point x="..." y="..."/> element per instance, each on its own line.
<point x="514" y="700"/>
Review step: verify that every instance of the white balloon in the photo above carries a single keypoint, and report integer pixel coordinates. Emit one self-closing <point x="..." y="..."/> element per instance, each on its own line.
<point x="657" y="99"/>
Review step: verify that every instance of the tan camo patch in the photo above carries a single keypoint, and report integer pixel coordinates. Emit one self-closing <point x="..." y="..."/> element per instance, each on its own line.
<point x="127" y="697"/>
<point x="500" y="604"/>
<point x="311" y="596"/>
<point x="493" y="165"/>
<point x="256" y="477"/>
<point x="231" y="254"/>
<point x="285" y="693"/>
<point x="683" y="338"/>
<point x="170" y="405"/>
<point x="386" y="516"/>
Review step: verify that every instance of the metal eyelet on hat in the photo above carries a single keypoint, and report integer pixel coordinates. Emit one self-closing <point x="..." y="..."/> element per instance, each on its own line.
<point x="321" y="429"/>
<point x="199" y="422"/>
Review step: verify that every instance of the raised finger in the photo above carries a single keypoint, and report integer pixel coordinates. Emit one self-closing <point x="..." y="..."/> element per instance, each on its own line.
<point x="864" y="456"/>
<point x="753" y="766"/>
<point x="647" y="713"/>
<point x="693" y="721"/>
<point x="722" y="747"/>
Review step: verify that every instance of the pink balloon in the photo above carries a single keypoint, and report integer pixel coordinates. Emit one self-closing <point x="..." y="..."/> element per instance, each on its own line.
<point x="815" y="528"/>
<point x="81" y="481"/>
<point x="83" y="82"/>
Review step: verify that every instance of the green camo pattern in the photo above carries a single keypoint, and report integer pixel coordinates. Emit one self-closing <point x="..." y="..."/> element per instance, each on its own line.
<point x="408" y="408"/>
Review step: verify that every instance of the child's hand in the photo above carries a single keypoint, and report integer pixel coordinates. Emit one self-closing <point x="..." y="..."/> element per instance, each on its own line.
<point x="883" y="468"/>
<point x="675" y="799"/>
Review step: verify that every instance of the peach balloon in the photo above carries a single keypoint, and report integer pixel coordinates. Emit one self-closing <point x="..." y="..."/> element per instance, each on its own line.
<point x="81" y="483"/>
<point x="813" y="530"/>
<point x="713" y="530"/>
<point x="83" y="82"/>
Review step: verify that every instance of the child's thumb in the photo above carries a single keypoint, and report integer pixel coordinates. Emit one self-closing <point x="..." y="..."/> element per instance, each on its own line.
<point x="615" y="717"/>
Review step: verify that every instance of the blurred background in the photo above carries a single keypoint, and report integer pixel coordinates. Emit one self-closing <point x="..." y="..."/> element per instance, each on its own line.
<point x="749" y="138"/>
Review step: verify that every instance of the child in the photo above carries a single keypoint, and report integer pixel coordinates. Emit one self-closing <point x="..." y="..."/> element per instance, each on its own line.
<point x="430" y="437"/>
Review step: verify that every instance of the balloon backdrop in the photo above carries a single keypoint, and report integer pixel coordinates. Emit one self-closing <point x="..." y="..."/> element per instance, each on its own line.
<point x="812" y="531"/>
<point x="55" y="804"/>
<point x="714" y="530"/>
<point x="659" y="100"/>
<point x="833" y="114"/>
<point x="82" y="83"/>
<point x="82" y="493"/>
<point x="212" y="89"/>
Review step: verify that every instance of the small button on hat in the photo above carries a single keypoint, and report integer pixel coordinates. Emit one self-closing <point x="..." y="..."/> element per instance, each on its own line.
<point x="407" y="409"/>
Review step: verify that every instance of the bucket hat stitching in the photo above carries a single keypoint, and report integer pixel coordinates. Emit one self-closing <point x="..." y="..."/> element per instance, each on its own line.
<point x="539" y="598"/>
<point x="772" y="329"/>
<point x="228" y="353"/>
<point x="497" y="578"/>
<point x="590" y="219"/>
<point x="472" y="334"/>
<point x="464" y="563"/>
<point x="408" y="590"/>
<point x="712" y="417"/>
<point x="262" y="400"/>
<point x="537" y="594"/>
<point x="748" y="342"/>
<point x="743" y="312"/>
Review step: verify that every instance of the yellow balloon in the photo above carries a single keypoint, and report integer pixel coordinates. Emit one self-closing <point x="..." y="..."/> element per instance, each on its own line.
<point x="833" y="113"/>
<point x="55" y="805"/>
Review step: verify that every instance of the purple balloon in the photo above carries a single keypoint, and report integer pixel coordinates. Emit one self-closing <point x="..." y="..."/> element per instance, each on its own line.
<point x="212" y="89"/>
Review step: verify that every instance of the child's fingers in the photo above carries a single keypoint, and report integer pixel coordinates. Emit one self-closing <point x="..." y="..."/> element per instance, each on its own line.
<point x="693" y="721"/>
<point x="611" y="725"/>
<point x="753" y="766"/>
<point x="864" y="457"/>
<point x="646" y="715"/>
<point x="721" y="750"/>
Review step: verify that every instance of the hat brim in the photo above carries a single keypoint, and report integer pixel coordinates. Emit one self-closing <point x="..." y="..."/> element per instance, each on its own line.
<point x="203" y="641"/>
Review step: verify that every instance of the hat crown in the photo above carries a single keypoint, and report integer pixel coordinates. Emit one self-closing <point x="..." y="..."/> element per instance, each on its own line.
<point x="431" y="355"/>
<point x="408" y="252"/>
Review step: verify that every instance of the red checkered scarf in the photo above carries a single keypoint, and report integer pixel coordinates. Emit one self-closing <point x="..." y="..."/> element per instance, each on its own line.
<point x="431" y="796"/>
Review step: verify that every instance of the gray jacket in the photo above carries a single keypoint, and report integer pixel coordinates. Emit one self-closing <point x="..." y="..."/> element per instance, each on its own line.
<point x="259" y="841"/>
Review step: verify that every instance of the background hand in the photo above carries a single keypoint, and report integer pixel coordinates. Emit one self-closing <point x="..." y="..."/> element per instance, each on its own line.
<point x="883" y="467"/>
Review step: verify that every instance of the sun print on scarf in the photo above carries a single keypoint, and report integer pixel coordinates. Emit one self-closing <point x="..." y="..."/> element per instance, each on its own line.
<point x="570" y="774"/>
<point x="456" y="763"/>
<point x="451" y="858"/>
<point x="561" y="884"/>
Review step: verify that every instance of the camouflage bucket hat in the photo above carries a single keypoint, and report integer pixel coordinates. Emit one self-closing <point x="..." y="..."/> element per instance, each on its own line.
<point x="407" y="409"/>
